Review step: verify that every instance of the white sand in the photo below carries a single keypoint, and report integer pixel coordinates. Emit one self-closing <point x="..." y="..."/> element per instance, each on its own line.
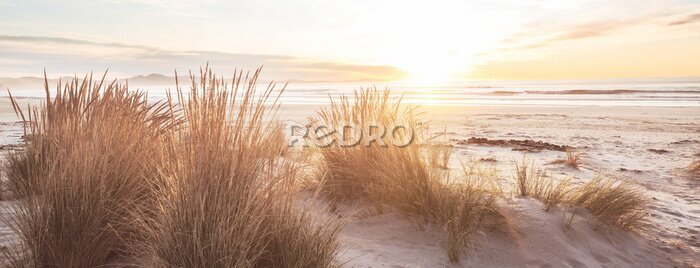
<point x="538" y="239"/>
<point x="613" y="138"/>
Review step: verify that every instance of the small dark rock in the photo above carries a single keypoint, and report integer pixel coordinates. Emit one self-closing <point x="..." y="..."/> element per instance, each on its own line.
<point x="685" y="141"/>
<point x="659" y="151"/>
<point x="630" y="170"/>
<point x="518" y="145"/>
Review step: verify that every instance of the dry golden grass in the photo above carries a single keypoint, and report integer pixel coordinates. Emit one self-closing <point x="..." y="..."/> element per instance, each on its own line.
<point x="613" y="200"/>
<point x="525" y="177"/>
<point x="230" y="202"/>
<point x="573" y="159"/>
<point x="349" y="172"/>
<point x="439" y="155"/>
<point x="299" y="240"/>
<point x="552" y="194"/>
<point x="465" y="207"/>
<point x="16" y="169"/>
<point x="534" y="182"/>
<point x="86" y="180"/>
<point x="439" y="152"/>
<point x="463" y="210"/>
<point x="694" y="169"/>
<point x="399" y="177"/>
<point x="486" y="173"/>
<point x="462" y="207"/>
<point x="276" y="140"/>
<point x="196" y="182"/>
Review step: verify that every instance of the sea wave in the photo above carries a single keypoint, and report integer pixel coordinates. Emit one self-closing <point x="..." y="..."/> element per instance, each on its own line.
<point x="607" y="91"/>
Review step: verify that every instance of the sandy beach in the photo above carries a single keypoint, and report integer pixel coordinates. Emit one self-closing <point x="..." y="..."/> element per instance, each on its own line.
<point x="648" y="145"/>
<point x="612" y="140"/>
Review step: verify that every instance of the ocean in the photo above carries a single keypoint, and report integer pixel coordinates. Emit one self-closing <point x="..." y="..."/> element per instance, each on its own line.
<point x="659" y="92"/>
<point x="650" y="92"/>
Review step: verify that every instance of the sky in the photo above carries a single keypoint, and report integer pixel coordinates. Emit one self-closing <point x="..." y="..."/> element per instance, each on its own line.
<point x="359" y="40"/>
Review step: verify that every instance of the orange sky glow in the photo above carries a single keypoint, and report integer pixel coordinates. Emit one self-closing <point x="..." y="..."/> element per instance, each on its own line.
<point x="362" y="40"/>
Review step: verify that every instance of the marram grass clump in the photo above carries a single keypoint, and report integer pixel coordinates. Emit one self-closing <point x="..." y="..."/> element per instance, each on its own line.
<point x="109" y="178"/>
<point x="534" y="182"/>
<point x="230" y="203"/>
<point x="613" y="200"/>
<point x="694" y="169"/>
<point x="399" y="177"/>
<point x="573" y="159"/>
<point x="88" y="176"/>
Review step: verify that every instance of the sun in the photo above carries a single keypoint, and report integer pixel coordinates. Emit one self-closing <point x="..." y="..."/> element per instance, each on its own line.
<point x="441" y="50"/>
<point x="429" y="73"/>
<point x="428" y="76"/>
<point x="431" y="68"/>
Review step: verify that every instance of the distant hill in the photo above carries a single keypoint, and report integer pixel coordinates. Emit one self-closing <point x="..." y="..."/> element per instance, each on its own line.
<point x="153" y="80"/>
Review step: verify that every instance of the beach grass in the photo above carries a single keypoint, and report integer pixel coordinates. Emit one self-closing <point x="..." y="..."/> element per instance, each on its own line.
<point x="613" y="200"/>
<point x="694" y="169"/>
<point x="573" y="159"/>
<point x="439" y="155"/>
<point x="108" y="178"/>
<point x="206" y="179"/>
<point x="399" y="177"/>
<point x="534" y="182"/>
<point x="86" y="180"/>
<point x="231" y="200"/>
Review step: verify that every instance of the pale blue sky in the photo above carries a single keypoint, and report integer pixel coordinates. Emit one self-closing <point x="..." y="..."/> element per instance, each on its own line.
<point x="354" y="40"/>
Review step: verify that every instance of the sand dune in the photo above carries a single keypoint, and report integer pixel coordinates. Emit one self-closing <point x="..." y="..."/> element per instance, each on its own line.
<point x="615" y="140"/>
<point x="537" y="239"/>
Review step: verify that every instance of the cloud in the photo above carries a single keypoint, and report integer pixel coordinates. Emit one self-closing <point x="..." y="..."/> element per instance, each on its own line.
<point x="60" y="40"/>
<point x="539" y="37"/>
<point x="590" y="30"/>
<point x="688" y="19"/>
<point x="30" y="54"/>
<point x="545" y="34"/>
